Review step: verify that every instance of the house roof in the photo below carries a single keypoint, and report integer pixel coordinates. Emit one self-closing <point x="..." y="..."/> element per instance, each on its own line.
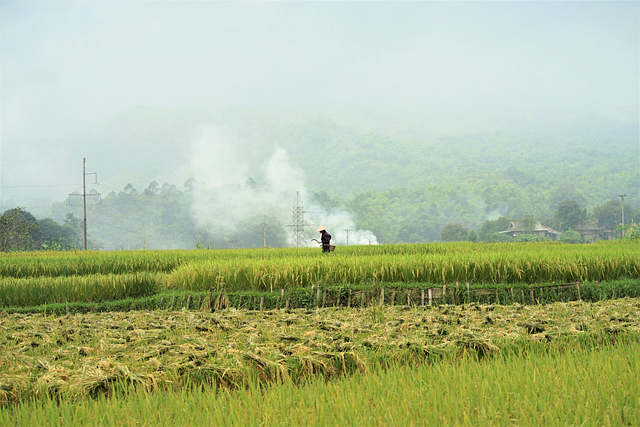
<point x="519" y="226"/>
<point x="589" y="226"/>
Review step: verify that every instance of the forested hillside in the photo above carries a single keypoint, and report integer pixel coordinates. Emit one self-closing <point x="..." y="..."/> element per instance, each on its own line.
<point x="401" y="190"/>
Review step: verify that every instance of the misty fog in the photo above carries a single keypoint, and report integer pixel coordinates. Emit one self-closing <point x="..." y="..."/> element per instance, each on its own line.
<point x="406" y="70"/>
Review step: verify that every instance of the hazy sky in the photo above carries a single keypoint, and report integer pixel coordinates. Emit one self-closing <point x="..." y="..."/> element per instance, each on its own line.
<point x="448" y="66"/>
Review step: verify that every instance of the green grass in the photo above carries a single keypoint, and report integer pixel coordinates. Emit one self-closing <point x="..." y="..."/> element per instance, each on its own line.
<point x="588" y="387"/>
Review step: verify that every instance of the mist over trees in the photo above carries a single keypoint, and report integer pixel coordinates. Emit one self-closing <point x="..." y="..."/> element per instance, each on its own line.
<point x="201" y="122"/>
<point x="400" y="190"/>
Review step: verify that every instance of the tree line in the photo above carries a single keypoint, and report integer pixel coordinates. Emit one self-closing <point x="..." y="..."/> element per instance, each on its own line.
<point x="159" y="217"/>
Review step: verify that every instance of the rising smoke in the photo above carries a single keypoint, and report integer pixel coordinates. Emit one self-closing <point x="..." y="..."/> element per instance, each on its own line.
<point x="224" y="197"/>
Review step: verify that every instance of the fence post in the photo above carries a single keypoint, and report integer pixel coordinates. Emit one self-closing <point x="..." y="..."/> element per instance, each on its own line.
<point x="287" y="304"/>
<point x="532" y="300"/>
<point x="261" y="303"/>
<point x="422" y="297"/>
<point x="578" y="286"/>
<point x="393" y="298"/>
<point x="430" y="298"/>
<point x="455" y="296"/>
<point x="382" y="296"/>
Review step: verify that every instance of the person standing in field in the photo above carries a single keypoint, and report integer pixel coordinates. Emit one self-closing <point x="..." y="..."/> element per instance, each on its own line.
<point x="325" y="238"/>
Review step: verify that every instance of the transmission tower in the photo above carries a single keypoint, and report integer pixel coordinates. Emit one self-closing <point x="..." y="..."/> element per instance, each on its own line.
<point x="298" y="224"/>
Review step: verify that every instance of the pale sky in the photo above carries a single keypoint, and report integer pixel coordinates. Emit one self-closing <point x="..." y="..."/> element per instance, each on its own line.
<point x="440" y="66"/>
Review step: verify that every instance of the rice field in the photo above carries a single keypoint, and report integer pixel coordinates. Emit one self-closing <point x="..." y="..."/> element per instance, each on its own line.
<point x="292" y="337"/>
<point x="581" y="388"/>
<point x="67" y="277"/>
<point x="85" y="355"/>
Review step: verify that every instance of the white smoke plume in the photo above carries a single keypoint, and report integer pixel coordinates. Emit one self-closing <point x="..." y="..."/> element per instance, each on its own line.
<point x="223" y="200"/>
<point x="340" y="225"/>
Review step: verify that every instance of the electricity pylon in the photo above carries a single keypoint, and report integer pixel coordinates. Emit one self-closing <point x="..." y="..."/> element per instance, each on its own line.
<point x="298" y="237"/>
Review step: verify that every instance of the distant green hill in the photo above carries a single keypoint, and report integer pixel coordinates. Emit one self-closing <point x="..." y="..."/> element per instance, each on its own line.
<point x="403" y="190"/>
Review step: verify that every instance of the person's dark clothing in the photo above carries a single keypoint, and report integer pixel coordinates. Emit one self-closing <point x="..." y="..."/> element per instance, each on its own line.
<point x="326" y="240"/>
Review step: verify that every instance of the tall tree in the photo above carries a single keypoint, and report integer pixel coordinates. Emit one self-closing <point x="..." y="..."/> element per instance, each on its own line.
<point x="454" y="233"/>
<point x="15" y="231"/>
<point x="609" y="214"/>
<point x="568" y="215"/>
<point x="490" y="227"/>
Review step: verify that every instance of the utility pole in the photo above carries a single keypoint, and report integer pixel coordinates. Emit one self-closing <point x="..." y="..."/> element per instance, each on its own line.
<point x="84" y="196"/>
<point x="347" y="230"/>
<point x="84" y="199"/>
<point x="622" y="196"/>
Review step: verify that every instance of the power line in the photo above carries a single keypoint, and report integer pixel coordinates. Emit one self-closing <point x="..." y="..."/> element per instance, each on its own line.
<point x="35" y="161"/>
<point x="38" y="186"/>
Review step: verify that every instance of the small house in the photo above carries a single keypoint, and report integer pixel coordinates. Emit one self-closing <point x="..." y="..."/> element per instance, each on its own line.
<point x="517" y="228"/>
<point x="591" y="232"/>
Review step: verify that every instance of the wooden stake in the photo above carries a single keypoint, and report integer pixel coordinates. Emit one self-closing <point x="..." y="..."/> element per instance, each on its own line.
<point x="532" y="300"/>
<point x="393" y="298"/>
<point x="455" y="296"/>
<point x="578" y="286"/>
<point x="188" y="302"/>
<point x="261" y="303"/>
<point x="381" y="296"/>
<point x="173" y="300"/>
<point x="430" y="298"/>
<point x="422" y="298"/>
